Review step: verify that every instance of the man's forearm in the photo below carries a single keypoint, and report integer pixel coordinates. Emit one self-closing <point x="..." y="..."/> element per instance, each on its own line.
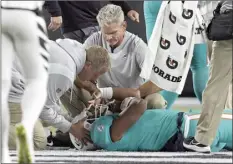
<point x="52" y="118"/>
<point x="148" y="88"/>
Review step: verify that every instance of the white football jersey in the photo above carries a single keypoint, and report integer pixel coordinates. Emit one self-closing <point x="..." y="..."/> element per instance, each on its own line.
<point x="29" y="5"/>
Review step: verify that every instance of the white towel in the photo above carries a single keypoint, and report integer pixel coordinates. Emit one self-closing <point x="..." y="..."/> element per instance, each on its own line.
<point x="172" y="43"/>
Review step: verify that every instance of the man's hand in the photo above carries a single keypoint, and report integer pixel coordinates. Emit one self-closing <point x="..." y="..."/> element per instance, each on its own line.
<point x="79" y="132"/>
<point x="133" y="15"/>
<point x="55" y="23"/>
<point x="94" y="91"/>
<point x="89" y="86"/>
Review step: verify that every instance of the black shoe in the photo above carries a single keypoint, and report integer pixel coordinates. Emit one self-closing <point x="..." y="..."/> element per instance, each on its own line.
<point x="60" y="140"/>
<point x="191" y="144"/>
<point x="50" y="139"/>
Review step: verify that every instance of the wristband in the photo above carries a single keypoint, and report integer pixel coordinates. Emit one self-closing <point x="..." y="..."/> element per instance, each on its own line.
<point x="106" y="93"/>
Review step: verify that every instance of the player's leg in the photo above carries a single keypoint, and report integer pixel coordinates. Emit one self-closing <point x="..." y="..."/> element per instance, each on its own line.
<point x="30" y="43"/>
<point x="39" y="136"/>
<point x="7" y="56"/>
<point x="200" y="69"/>
<point x="151" y="10"/>
<point x="224" y="134"/>
<point x="200" y="72"/>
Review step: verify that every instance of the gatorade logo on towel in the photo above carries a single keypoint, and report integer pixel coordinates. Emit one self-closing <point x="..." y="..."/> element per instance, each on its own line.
<point x="187" y="14"/>
<point x="172" y="18"/>
<point x="164" y="44"/>
<point x="171" y="63"/>
<point x="180" y="39"/>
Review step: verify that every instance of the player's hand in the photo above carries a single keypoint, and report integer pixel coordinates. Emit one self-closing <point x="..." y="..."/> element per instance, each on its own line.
<point x="55" y="23"/>
<point x="79" y="132"/>
<point x="133" y="15"/>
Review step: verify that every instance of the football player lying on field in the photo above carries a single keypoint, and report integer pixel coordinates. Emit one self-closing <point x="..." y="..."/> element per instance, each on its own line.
<point x="138" y="129"/>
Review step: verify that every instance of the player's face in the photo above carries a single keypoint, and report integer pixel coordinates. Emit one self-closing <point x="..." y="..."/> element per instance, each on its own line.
<point x="114" y="33"/>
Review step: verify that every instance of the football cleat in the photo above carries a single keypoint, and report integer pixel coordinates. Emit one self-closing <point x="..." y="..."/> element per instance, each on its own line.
<point x="24" y="155"/>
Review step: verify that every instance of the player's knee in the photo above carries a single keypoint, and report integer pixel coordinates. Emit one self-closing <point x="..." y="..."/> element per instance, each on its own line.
<point x="156" y="101"/>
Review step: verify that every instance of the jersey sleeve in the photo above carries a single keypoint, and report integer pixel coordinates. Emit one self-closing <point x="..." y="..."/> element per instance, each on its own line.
<point x="100" y="131"/>
<point x="144" y="58"/>
<point x="52" y="113"/>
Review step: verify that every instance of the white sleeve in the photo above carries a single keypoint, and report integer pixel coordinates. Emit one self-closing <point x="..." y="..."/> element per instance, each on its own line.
<point x="145" y="59"/>
<point x="52" y="112"/>
<point x="142" y="51"/>
<point x="94" y="39"/>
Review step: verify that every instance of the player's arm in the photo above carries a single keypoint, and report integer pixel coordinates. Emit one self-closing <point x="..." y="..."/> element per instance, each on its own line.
<point x="127" y="119"/>
<point x="116" y="93"/>
<point x="143" y="54"/>
<point x="107" y="93"/>
<point x="52" y="112"/>
<point x="148" y="88"/>
<point x="122" y="93"/>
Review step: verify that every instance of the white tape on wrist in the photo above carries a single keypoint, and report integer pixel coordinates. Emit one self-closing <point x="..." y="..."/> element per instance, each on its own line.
<point x="106" y="93"/>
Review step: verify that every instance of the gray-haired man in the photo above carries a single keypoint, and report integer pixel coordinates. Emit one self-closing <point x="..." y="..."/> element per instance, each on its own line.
<point x="127" y="53"/>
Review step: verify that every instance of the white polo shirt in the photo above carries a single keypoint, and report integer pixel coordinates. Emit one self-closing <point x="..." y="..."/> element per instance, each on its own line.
<point x="126" y="61"/>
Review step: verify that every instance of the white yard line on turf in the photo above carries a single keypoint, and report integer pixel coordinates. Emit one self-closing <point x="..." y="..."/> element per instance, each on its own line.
<point x="139" y="160"/>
